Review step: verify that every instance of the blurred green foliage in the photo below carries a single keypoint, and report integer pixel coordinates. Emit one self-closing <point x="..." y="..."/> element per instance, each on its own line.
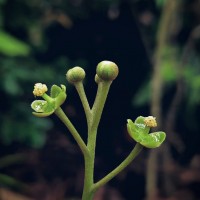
<point x="169" y="67"/>
<point x="10" y="46"/>
<point x="143" y="95"/>
<point x="21" y="36"/>
<point x="170" y="64"/>
<point x="192" y="81"/>
<point x="17" y="123"/>
<point x="172" y="68"/>
<point x="160" y="3"/>
<point x="18" y="76"/>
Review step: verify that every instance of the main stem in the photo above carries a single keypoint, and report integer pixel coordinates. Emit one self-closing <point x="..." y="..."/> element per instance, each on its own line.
<point x="89" y="159"/>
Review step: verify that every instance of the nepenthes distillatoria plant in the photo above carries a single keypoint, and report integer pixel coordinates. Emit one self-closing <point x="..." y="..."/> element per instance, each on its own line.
<point x="106" y="72"/>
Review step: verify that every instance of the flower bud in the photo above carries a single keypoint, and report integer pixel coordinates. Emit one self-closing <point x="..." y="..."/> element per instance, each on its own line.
<point x="39" y="89"/>
<point x="150" y="121"/>
<point x="107" y="70"/>
<point x="75" y="75"/>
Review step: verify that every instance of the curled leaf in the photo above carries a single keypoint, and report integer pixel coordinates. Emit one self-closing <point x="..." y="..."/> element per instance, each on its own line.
<point x="59" y="94"/>
<point x="42" y="108"/>
<point x="154" y="140"/>
<point x="139" y="131"/>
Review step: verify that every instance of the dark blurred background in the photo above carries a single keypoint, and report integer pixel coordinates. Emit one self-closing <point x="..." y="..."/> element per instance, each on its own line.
<point x="155" y="43"/>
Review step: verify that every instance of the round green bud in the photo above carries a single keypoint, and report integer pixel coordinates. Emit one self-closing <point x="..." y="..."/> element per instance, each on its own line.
<point x="107" y="70"/>
<point x="76" y="74"/>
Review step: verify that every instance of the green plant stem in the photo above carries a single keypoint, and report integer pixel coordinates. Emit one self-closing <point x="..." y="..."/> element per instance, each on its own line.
<point x="80" y="89"/>
<point x="61" y="115"/>
<point x="138" y="147"/>
<point x="89" y="167"/>
<point x="102" y="92"/>
<point x="47" y="98"/>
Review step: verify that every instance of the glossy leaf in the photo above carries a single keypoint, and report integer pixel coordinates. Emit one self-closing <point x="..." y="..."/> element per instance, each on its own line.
<point x="140" y="133"/>
<point x="42" y="108"/>
<point x="153" y="140"/>
<point x="138" y="126"/>
<point x="55" y="90"/>
<point x="60" y="95"/>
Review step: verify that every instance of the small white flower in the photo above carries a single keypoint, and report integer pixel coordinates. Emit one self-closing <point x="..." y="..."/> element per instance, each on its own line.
<point x="39" y="89"/>
<point x="150" y="121"/>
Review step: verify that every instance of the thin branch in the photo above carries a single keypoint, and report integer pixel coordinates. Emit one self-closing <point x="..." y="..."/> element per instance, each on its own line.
<point x="80" y="89"/>
<point x="61" y="115"/>
<point x="136" y="150"/>
<point x="97" y="109"/>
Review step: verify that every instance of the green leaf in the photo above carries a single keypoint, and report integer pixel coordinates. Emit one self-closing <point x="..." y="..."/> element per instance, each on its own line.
<point x="60" y="99"/>
<point x="138" y="127"/>
<point x="42" y="108"/>
<point x="154" y="140"/>
<point x="55" y="91"/>
<point x="11" y="46"/>
<point x="59" y="94"/>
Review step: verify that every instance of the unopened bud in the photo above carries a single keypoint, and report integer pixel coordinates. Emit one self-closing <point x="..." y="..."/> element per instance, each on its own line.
<point x="75" y="75"/>
<point x="107" y="70"/>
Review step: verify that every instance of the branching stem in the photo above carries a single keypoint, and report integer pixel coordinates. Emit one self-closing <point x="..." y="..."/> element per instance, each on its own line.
<point x="136" y="150"/>
<point x="94" y="119"/>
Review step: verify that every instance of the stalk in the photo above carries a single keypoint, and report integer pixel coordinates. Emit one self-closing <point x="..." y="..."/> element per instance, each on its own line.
<point x="61" y="115"/>
<point x="136" y="150"/>
<point x="89" y="159"/>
